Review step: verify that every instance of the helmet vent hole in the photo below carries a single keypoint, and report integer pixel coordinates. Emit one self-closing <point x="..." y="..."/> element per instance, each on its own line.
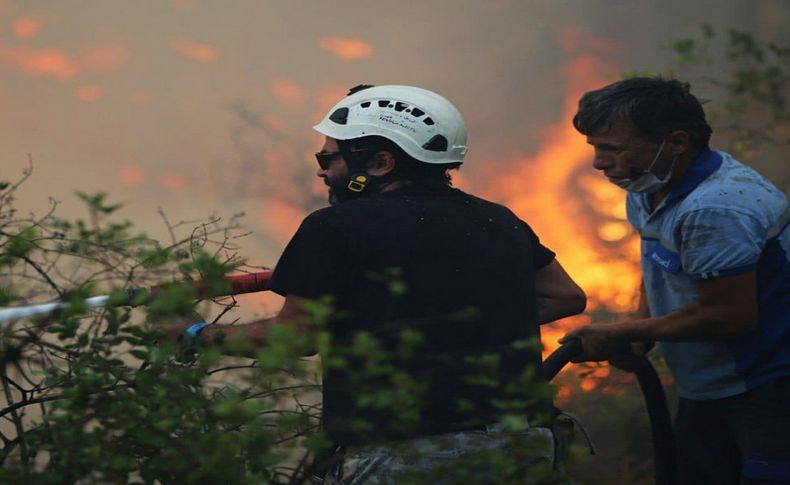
<point x="340" y="116"/>
<point x="428" y="121"/>
<point x="417" y="112"/>
<point x="436" y="144"/>
<point x="366" y="104"/>
<point x="399" y="106"/>
<point x="384" y="103"/>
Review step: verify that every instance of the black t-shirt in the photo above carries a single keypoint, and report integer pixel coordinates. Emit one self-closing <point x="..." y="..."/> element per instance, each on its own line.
<point x="453" y="267"/>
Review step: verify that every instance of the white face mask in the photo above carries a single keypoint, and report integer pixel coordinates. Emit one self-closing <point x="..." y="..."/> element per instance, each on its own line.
<point x="646" y="181"/>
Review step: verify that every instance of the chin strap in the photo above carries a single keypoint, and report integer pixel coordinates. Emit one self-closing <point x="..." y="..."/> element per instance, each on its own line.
<point x="357" y="182"/>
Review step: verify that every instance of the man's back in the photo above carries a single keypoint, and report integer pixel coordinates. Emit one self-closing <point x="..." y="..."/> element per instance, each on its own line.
<point x="455" y="268"/>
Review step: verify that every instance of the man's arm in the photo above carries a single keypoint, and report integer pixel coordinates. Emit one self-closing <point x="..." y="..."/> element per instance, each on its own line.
<point x="726" y="307"/>
<point x="558" y="295"/>
<point x="294" y="313"/>
<point x="633" y="358"/>
<point x="643" y="310"/>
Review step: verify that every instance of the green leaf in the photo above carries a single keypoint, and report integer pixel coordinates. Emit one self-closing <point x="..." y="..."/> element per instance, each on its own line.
<point x="6" y="295"/>
<point x="20" y="244"/>
<point x="96" y="203"/>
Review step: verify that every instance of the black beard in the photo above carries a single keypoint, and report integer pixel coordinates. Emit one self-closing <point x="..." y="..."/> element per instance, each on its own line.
<point x="338" y="191"/>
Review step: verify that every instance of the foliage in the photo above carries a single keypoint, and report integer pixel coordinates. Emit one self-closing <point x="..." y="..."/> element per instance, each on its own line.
<point x="749" y="83"/>
<point x="100" y="396"/>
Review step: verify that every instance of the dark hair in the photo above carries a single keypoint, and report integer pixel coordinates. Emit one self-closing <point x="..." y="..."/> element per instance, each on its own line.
<point x="653" y="106"/>
<point x="358" y="88"/>
<point x="406" y="166"/>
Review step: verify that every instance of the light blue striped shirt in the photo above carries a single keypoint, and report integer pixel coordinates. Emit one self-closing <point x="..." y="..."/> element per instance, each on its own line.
<point x="722" y="219"/>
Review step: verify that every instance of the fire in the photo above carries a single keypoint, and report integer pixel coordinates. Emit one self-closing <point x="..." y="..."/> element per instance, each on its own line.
<point x="131" y="176"/>
<point x="576" y="214"/>
<point x="89" y="93"/>
<point x="279" y="214"/>
<point x="198" y="52"/>
<point x="173" y="181"/>
<point x="574" y="210"/>
<point x="345" y="48"/>
<point x="39" y="62"/>
<point x="25" y="27"/>
<point x="287" y="92"/>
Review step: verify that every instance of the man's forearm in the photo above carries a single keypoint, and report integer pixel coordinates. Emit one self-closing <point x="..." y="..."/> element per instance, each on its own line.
<point x="693" y="322"/>
<point x="253" y="332"/>
<point x="643" y="310"/>
<point x="551" y="309"/>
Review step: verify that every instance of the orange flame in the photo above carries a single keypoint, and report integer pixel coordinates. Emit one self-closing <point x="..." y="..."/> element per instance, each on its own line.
<point x="25" y="27"/>
<point x="89" y="93"/>
<point x="57" y="64"/>
<point x="39" y="62"/>
<point x="198" y="52"/>
<point x="131" y="176"/>
<point x="287" y="92"/>
<point x="575" y="210"/>
<point x="281" y="215"/>
<point x="346" y="49"/>
<point x="173" y="181"/>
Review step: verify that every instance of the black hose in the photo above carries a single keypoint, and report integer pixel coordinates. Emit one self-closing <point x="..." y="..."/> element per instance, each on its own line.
<point x="664" y="455"/>
<point x="664" y="458"/>
<point x="557" y="359"/>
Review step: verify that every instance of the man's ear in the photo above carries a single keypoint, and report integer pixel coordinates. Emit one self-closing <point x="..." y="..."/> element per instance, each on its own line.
<point x="679" y="143"/>
<point x="381" y="164"/>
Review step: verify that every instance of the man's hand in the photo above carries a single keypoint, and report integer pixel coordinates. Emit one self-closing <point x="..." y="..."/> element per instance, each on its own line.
<point x="174" y="331"/>
<point x="599" y="342"/>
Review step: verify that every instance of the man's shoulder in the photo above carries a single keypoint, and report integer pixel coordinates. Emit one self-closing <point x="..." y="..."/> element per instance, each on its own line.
<point x="735" y="187"/>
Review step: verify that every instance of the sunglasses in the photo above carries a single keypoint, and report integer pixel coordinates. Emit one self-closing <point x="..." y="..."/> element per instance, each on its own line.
<point x="324" y="159"/>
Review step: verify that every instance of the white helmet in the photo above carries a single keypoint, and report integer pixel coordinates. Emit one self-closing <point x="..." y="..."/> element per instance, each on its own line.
<point x="425" y="125"/>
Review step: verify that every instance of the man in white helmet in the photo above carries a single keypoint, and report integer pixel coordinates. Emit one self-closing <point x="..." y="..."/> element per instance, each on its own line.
<point x="447" y="283"/>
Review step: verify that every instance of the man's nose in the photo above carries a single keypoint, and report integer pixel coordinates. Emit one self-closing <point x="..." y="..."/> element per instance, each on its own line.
<point x="601" y="162"/>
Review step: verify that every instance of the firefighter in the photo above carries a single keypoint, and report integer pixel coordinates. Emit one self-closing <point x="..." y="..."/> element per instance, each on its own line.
<point x="399" y="250"/>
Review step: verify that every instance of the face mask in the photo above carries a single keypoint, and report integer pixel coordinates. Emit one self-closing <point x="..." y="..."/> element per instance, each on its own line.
<point x="645" y="181"/>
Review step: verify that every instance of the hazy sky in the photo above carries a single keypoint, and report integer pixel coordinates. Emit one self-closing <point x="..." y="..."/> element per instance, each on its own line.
<point x="206" y="106"/>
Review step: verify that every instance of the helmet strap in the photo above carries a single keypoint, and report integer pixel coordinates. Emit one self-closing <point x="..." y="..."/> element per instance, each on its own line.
<point x="357" y="182"/>
<point x="358" y="179"/>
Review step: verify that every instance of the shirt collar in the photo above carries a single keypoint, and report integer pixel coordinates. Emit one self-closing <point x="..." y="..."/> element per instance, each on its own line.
<point x="701" y="168"/>
<point x="417" y="189"/>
